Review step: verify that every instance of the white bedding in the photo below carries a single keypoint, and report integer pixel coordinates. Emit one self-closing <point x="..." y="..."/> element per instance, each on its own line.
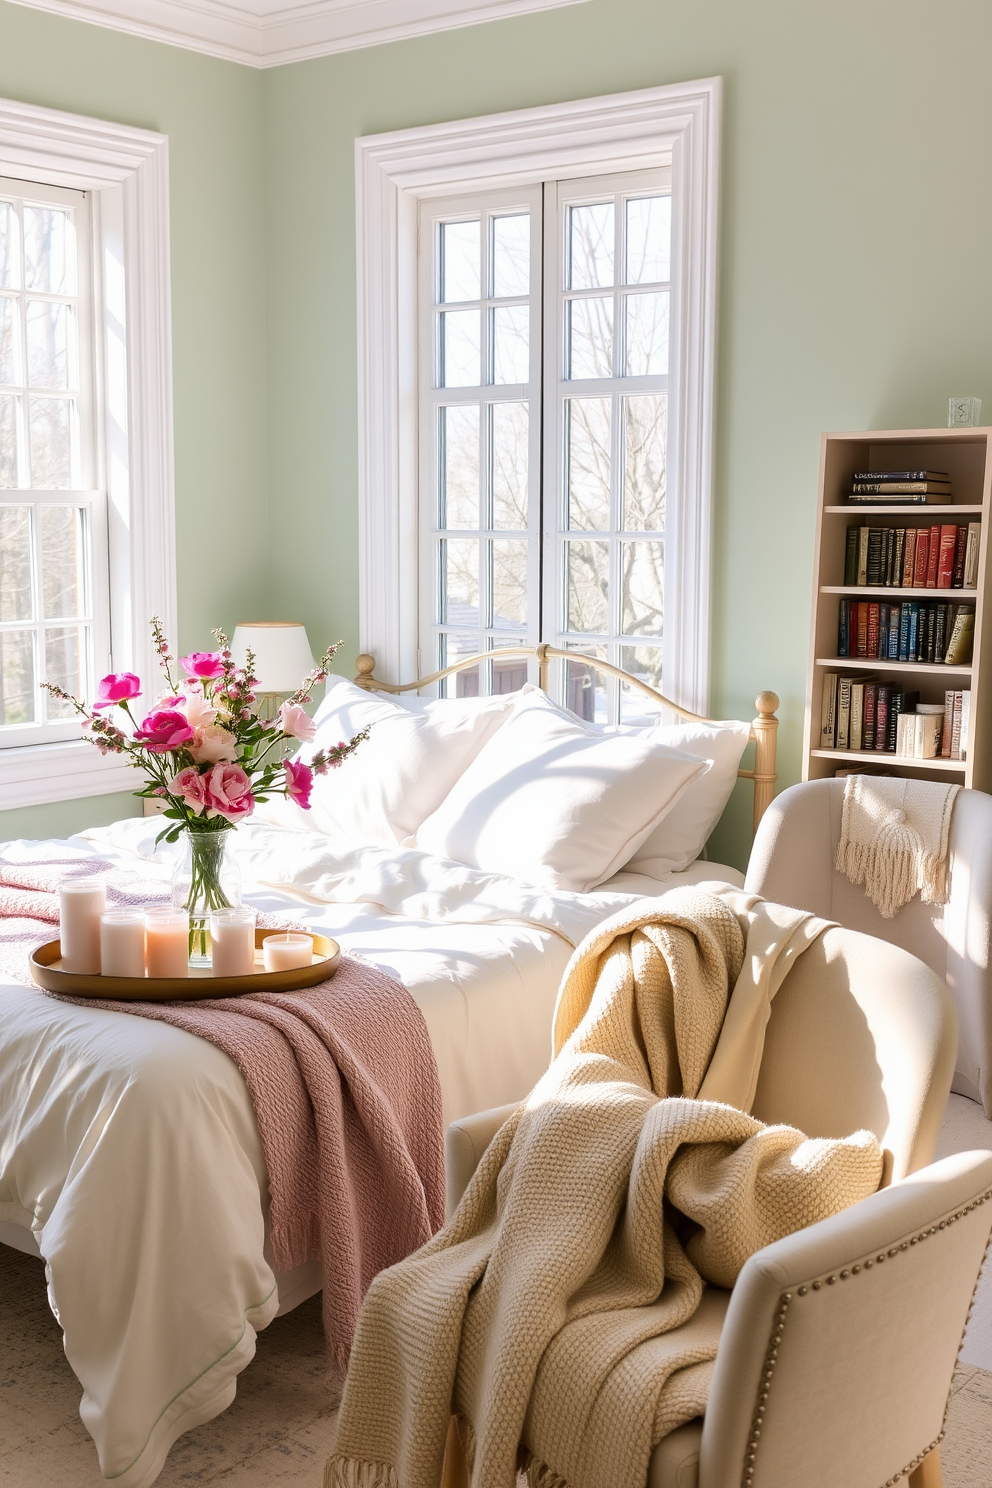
<point x="129" y="1149"/>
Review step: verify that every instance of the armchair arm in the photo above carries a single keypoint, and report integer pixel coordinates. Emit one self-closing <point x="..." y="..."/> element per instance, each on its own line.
<point x="464" y="1143"/>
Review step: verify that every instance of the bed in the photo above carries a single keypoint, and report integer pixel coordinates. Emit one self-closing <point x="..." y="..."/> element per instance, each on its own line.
<point x="129" y="1154"/>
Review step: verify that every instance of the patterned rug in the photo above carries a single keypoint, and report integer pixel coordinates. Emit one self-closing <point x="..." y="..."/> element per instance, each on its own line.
<point x="280" y="1428"/>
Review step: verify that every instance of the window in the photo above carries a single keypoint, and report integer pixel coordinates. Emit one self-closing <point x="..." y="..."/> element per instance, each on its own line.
<point x="54" y="592"/>
<point x="544" y="327"/>
<point x="536" y="297"/>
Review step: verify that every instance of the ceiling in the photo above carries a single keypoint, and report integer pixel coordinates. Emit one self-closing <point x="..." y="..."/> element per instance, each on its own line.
<point x="267" y="33"/>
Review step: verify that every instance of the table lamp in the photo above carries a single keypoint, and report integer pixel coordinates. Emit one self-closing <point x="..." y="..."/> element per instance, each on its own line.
<point x="282" y="655"/>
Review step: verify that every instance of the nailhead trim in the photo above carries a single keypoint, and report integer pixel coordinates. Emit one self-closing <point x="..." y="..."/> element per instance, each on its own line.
<point x="778" y="1327"/>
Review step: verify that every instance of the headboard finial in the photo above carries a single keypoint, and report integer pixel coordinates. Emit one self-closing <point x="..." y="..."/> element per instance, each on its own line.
<point x="364" y="666"/>
<point x="767" y="704"/>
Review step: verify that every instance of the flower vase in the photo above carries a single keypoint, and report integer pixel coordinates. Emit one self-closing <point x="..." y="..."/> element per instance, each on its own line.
<point x="206" y="877"/>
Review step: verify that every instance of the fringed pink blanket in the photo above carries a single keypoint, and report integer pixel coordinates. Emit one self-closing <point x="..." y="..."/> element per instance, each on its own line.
<point x="343" y="1081"/>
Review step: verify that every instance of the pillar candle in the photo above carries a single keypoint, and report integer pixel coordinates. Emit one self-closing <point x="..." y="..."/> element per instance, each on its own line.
<point x="81" y="902"/>
<point x="286" y="951"/>
<point x="122" y="942"/>
<point x="232" y="942"/>
<point x="167" y="943"/>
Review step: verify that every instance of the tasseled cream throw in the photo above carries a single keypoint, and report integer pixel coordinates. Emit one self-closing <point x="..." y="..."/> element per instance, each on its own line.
<point x="563" y="1310"/>
<point x="893" y="839"/>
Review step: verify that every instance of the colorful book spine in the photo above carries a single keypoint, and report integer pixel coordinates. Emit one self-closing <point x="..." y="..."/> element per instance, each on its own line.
<point x="871" y="632"/>
<point x="882" y="718"/>
<point x="971" y="555"/>
<point x="843" y="621"/>
<point x="948" y="729"/>
<point x="960" y="548"/>
<point x="922" y="557"/>
<point x="965" y="722"/>
<point x="933" y="557"/>
<point x="856" y="735"/>
<point x="945" y="557"/>
<point x="828" y="711"/>
<point x="869" y="714"/>
<point x="909" y="558"/>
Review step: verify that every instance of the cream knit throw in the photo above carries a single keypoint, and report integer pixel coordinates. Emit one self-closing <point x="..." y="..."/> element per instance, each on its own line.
<point x="893" y="839"/>
<point x="563" y="1309"/>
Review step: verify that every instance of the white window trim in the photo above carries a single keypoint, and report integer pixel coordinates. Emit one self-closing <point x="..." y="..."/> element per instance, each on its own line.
<point x="677" y="124"/>
<point x="127" y="170"/>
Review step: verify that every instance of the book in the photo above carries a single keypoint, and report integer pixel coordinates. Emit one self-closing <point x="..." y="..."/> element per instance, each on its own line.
<point x="895" y="612"/>
<point x="928" y="617"/>
<point x="856" y="735"/>
<point x="898" y="552"/>
<point x="884" y="612"/>
<point x="851" y="556"/>
<point x="844" y="711"/>
<point x="940" y="633"/>
<point x="843" y="617"/>
<point x="899" y="475"/>
<point x="900" y="702"/>
<point x="971" y="555"/>
<point x="904" y="618"/>
<point x="946" y="731"/>
<point x="882" y="718"/>
<point x="959" y="647"/>
<point x="901" y="488"/>
<point x="926" y="742"/>
<point x="861" y="644"/>
<point x="828" y="711"/>
<point x="909" y="558"/>
<point x="933" y="557"/>
<point x="875" y="565"/>
<point x="890" y="537"/>
<point x="946" y="552"/>
<point x="862" y="577"/>
<point x="956" y="728"/>
<point x="922" y="557"/>
<point x="913" y="648"/>
<point x="871" y="631"/>
<point x="929" y="497"/>
<point x="868" y="720"/>
<point x="960" y="548"/>
<point x="965" y="721"/>
<point x="906" y="735"/>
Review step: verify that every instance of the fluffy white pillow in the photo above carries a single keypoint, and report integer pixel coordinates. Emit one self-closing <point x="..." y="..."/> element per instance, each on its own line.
<point x="401" y="773"/>
<point x="679" y="839"/>
<point x="555" y="801"/>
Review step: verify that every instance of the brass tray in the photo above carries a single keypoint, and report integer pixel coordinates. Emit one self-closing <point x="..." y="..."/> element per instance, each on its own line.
<point x="46" y="968"/>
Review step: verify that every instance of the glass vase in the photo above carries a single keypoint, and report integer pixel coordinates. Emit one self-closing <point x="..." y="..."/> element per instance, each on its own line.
<point x="205" y="877"/>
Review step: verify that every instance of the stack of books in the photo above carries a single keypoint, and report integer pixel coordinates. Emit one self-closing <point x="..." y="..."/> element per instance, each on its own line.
<point x="891" y="486"/>
<point x="939" y="557"/>
<point x="922" y="630"/>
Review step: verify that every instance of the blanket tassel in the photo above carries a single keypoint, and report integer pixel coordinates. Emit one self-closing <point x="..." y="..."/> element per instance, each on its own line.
<point x="351" y="1472"/>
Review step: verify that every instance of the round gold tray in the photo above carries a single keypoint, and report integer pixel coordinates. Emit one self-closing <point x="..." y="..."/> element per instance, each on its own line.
<point x="46" y="968"/>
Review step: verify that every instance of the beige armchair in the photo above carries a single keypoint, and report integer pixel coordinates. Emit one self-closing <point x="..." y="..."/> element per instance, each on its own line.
<point x="838" y="1349"/>
<point x="792" y="862"/>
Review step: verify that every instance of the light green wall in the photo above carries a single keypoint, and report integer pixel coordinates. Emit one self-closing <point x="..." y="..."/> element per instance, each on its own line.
<point x="854" y="273"/>
<point x="212" y="113"/>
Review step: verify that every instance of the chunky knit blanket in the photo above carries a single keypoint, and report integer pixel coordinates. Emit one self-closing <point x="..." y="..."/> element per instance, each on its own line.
<point x="564" y="1310"/>
<point x="344" y="1085"/>
<point x="893" y="839"/>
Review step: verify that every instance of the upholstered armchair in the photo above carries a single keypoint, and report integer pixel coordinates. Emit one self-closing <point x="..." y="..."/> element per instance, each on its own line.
<point x="838" y="1348"/>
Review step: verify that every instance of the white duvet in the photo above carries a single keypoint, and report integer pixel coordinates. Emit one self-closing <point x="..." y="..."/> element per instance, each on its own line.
<point x="129" y="1150"/>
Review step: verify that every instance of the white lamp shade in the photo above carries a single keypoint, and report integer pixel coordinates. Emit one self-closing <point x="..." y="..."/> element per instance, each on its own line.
<point x="281" y="651"/>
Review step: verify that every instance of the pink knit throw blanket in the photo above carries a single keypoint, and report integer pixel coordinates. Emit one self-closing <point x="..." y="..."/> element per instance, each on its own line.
<point x="343" y="1081"/>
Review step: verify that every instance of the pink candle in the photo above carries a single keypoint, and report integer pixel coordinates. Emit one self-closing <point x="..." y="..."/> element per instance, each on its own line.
<point x="286" y="951"/>
<point x="81" y="902"/>
<point x="167" y="942"/>
<point x="122" y="942"/>
<point x="232" y="942"/>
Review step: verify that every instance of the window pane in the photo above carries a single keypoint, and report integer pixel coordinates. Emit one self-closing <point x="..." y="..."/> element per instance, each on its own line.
<point x="16" y="677"/>
<point x="645" y="431"/>
<point x="64" y="652"/>
<point x="649" y="240"/>
<point x="511" y="433"/>
<point x="460" y="249"/>
<point x="636" y="708"/>
<point x="591" y="245"/>
<point x="511" y="256"/>
<point x="460" y="582"/>
<point x="587" y="585"/>
<point x="8" y="340"/>
<point x="63" y="561"/>
<point x="48" y="344"/>
<point x="511" y="344"/>
<point x="48" y="250"/>
<point x="8" y="245"/>
<point x="587" y="455"/>
<point x="590" y="337"/>
<point x="460" y="466"/>
<point x="8" y="444"/>
<point x="511" y="674"/>
<point x="647" y="335"/>
<point x="643" y="588"/>
<point x="509" y="585"/>
<point x="585" y="687"/>
<point x="460" y="343"/>
<point x="451" y="648"/>
<point x="51" y="455"/>
<point x="15" y="563"/>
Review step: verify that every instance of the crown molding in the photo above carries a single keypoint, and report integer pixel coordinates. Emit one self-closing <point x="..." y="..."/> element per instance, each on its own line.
<point x="258" y="33"/>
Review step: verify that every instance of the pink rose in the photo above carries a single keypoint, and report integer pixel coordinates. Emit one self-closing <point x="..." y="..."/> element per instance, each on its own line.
<point x="299" y="782"/>
<point x="199" y="712"/>
<point x="229" y="793"/>
<point x="206" y="665"/>
<point x="296" y="722"/>
<point x="191" y="786"/>
<point x="163" y="731"/>
<point x="116" y="688"/>
<point x="212" y="744"/>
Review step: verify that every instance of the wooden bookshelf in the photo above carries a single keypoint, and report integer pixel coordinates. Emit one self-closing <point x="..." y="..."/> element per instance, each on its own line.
<point x="967" y="456"/>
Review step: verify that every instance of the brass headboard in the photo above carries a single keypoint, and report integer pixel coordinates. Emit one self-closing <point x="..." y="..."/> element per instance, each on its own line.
<point x="764" y="728"/>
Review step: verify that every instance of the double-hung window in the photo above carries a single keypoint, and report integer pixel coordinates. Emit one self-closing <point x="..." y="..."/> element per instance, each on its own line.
<point x="544" y="413"/>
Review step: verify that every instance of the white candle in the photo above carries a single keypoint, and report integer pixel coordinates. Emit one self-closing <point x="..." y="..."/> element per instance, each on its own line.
<point x="286" y="951"/>
<point x="232" y="942"/>
<point x="122" y="942"/>
<point x="81" y="902"/>
<point x="167" y="943"/>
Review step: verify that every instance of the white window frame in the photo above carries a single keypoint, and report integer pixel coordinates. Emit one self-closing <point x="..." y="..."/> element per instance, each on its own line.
<point x="125" y="173"/>
<point x="676" y="125"/>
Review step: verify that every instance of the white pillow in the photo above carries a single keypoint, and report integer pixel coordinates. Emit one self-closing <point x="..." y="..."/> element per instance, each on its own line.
<point x="401" y="773"/>
<point x="679" y="839"/>
<point x="555" y="801"/>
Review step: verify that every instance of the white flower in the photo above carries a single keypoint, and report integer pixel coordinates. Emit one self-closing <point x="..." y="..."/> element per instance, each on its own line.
<point x="199" y="712"/>
<point x="213" y="744"/>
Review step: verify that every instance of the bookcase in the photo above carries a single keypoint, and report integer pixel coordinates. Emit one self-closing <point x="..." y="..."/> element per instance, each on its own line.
<point x="966" y="454"/>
